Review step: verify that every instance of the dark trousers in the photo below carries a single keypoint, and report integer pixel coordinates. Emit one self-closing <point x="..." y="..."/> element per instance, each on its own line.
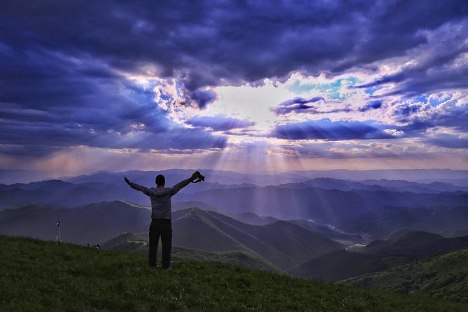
<point x="160" y="228"/>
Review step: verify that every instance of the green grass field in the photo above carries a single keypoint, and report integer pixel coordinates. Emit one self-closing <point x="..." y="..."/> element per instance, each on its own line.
<point x="442" y="276"/>
<point x="46" y="276"/>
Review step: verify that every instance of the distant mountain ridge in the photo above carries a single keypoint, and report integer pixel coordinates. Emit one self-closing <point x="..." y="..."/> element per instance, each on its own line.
<point x="349" y="205"/>
<point x="262" y="179"/>
<point x="376" y="185"/>
<point x="356" y="211"/>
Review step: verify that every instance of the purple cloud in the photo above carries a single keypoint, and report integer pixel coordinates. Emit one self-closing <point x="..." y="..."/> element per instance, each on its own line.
<point x="329" y="130"/>
<point x="61" y="87"/>
<point x="69" y="104"/>
<point x="219" y="123"/>
<point x="373" y="105"/>
<point x="295" y="105"/>
<point x="447" y="141"/>
<point x="203" y="97"/>
<point x="202" y="42"/>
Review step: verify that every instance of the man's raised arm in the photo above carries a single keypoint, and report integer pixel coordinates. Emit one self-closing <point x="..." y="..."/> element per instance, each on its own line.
<point x="183" y="183"/>
<point x="138" y="187"/>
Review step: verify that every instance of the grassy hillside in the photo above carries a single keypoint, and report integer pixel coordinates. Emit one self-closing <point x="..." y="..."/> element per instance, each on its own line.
<point x="340" y="265"/>
<point x="442" y="276"/>
<point x="416" y="243"/>
<point x="45" y="276"/>
<point x="138" y="243"/>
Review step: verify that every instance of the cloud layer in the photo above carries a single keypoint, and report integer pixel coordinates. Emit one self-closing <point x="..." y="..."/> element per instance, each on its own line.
<point x="144" y="75"/>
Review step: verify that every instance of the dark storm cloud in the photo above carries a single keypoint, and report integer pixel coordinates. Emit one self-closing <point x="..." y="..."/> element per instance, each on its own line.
<point x="203" y="97"/>
<point x="329" y="130"/>
<point x="295" y="105"/>
<point x="60" y="62"/>
<point x="50" y="102"/>
<point x="372" y="105"/>
<point x="414" y="121"/>
<point x="435" y="65"/>
<point x="208" y="43"/>
<point x="417" y="118"/>
<point x="219" y="123"/>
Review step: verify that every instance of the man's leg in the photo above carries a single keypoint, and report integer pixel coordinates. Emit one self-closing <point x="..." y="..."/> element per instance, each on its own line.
<point x="166" y="241"/>
<point x="153" y="243"/>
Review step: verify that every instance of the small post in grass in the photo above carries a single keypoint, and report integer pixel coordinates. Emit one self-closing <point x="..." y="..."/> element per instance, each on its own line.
<point x="59" y="239"/>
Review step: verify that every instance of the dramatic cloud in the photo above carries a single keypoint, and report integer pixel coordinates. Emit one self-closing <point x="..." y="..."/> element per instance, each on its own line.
<point x="206" y="76"/>
<point x="448" y="141"/>
<point x="206" y="42"/>
<point x="371" y="105"/>
<point x="326" y="129"/>
<point x="219" y="123"/>
<point x="50" y="102"/>
<point x="296" y="105"/>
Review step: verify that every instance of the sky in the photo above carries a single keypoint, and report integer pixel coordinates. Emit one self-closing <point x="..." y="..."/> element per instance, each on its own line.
<point x="249" y="86"/>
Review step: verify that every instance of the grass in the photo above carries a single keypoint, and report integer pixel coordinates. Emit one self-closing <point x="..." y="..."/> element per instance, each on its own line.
<point x="443" y="276"/>
<point x="46" y="276"/>
<point x="137" y="243"/>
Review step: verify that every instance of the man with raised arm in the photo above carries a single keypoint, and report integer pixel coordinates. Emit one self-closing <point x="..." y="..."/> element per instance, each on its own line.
<point x="161" y="215"/>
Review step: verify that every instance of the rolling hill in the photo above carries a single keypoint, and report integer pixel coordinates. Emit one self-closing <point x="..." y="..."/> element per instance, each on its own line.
<point x="93" y="223"/>
<point x="443" y="276"/>
<point x="71" y="278"/>
<point x="281" y="243"/>
<point x="418" y="244"/>
<point x="138" y="243"/>
<point x="341" y="265"/>
<point x="378" y="256"/>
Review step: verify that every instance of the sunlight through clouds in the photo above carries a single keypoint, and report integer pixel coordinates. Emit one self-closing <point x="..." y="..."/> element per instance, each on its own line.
<point x="377" y="87"/>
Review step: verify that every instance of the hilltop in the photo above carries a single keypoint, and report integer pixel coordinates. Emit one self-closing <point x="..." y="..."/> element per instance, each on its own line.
<point x="138" y="243"/>
<point x="46" y="276"/>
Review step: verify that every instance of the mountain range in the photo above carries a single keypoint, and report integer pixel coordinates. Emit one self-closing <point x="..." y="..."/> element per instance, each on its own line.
<point x="358" y="211"/>
<point x="372" y="207"/>
<point x="330" y="228"/>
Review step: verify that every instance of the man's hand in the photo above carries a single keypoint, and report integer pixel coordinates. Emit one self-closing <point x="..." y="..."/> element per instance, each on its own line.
<point x="195" y="175"/>
<point x="127" y="180"/>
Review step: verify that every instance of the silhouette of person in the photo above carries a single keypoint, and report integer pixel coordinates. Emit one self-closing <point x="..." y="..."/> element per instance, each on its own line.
<point x="161" y="215"/>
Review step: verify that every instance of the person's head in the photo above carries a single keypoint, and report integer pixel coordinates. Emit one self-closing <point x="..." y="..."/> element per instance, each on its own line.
<point x="159" y="180"/>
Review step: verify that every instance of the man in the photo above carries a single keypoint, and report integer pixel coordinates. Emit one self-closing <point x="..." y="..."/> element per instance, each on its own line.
<point x="161" y="215"/>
